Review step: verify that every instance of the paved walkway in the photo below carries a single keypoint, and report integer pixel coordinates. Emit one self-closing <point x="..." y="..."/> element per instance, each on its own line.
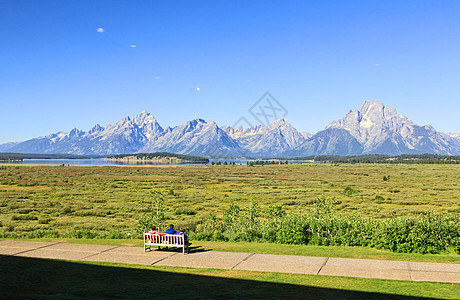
<point x="366" y="268"/>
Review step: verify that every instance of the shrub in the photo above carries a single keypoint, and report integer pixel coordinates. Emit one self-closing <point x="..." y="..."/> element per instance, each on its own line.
<point x="67" y="210"/>
<point x="379" y="198"/>
<point x="427" y="233"/>
<point x="275" y="211"/>
<point x="349" y="191"/>
<point x="44" y="220"/>
<point x="24" y="211"/>
<point x="185" y="211"/>
<point x="24" y="217"/>
<point x="292" y="230"/>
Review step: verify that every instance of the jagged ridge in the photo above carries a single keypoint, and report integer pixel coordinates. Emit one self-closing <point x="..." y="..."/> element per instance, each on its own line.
<point x="372" y="129"/>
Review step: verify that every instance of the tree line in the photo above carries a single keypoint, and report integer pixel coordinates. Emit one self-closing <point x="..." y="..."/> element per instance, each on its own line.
<point x="386" y="159"/>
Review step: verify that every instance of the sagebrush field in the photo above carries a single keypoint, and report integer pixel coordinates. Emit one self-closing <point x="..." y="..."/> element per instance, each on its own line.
<point x="110" y="198"/>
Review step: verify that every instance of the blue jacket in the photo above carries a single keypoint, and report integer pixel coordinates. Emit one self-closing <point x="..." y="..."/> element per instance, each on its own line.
<point x="185" y="236"/>
<point x="170" y="231"/>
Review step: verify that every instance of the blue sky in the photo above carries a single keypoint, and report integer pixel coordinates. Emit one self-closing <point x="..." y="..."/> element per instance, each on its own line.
<point x="318" y="58"/>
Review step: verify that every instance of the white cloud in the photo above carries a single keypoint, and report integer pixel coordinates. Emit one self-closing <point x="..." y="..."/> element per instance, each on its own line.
<point x="100" y="29"/>
<point x="156" y="77"/>
<point x="377" y="65"/>
<point x="133" y="46"/>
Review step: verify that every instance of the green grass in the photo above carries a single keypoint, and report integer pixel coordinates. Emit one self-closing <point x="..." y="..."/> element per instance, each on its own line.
<point x="270" y="248"/>
<point x="40" y="278"/>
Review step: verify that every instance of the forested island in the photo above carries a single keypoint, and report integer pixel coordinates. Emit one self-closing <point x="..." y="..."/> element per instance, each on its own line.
<point x="157" y="158"/>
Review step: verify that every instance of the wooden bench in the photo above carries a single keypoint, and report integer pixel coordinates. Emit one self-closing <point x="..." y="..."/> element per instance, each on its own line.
<point x="165" y="240"/>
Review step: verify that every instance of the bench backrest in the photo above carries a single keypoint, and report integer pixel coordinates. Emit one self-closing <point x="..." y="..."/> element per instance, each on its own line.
<point x="164" y="239"/>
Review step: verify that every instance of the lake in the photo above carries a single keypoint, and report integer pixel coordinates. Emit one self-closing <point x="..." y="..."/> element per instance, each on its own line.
<point x="103" y="162"/>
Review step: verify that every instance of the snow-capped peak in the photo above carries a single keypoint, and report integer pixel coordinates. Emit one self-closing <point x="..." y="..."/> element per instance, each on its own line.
<point x="373" y="128"/>
<point x="144" y="118"/>
<point x="97" y="128"/>
<point x="381" y="130"/>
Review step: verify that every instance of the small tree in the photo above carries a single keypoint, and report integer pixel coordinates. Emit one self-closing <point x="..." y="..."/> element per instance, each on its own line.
<point x="155" y="212"/>
<point x="275" y="211"/>
<point x="231" y="217"/>
<point x="250" y="221"/>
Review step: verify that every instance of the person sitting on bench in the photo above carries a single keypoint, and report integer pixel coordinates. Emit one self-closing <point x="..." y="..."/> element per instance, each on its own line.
<point x="182" y="232"/>
<point x="170" y="230"/>
<point x="153" y="230"/>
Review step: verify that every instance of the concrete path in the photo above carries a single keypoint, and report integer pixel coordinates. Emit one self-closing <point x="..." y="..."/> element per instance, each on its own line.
<point x="365" y="268"/>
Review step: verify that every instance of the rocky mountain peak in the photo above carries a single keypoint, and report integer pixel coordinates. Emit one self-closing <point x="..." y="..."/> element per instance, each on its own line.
<point x="97" y="128"/>
<point x="144" y="118"/>
<point x="376" y="111"/>
<point x="381" y="130"/>
<point x="121" y="123"/>
<point x="371" y="105"/>
<point x="75" y="131"/>
<point x="279" y="123"/>
<point x="373" y="128"/>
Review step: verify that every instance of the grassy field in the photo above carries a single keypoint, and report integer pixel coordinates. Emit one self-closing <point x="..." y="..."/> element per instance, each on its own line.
<point x="40" y="278"/>
<point x="108" y="198"/>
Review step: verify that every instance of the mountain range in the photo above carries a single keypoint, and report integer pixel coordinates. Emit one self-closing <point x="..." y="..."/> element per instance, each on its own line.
<point x="371" y="129"/>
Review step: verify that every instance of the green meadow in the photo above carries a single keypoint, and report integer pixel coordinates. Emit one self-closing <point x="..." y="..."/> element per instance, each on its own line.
<point x="110" y="198"/>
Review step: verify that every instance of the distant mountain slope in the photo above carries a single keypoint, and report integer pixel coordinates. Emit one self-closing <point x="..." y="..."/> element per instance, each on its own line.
<point x="274" y="139"/>
<point x="333" y="141"/>
<point x="125" y="136"/>
<point x="454" y="139"/>
<point x="6" y="146"/>
<point x="380" y="130"/>
<point x="194" y="137"/>
<point x="371" y="129"/>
